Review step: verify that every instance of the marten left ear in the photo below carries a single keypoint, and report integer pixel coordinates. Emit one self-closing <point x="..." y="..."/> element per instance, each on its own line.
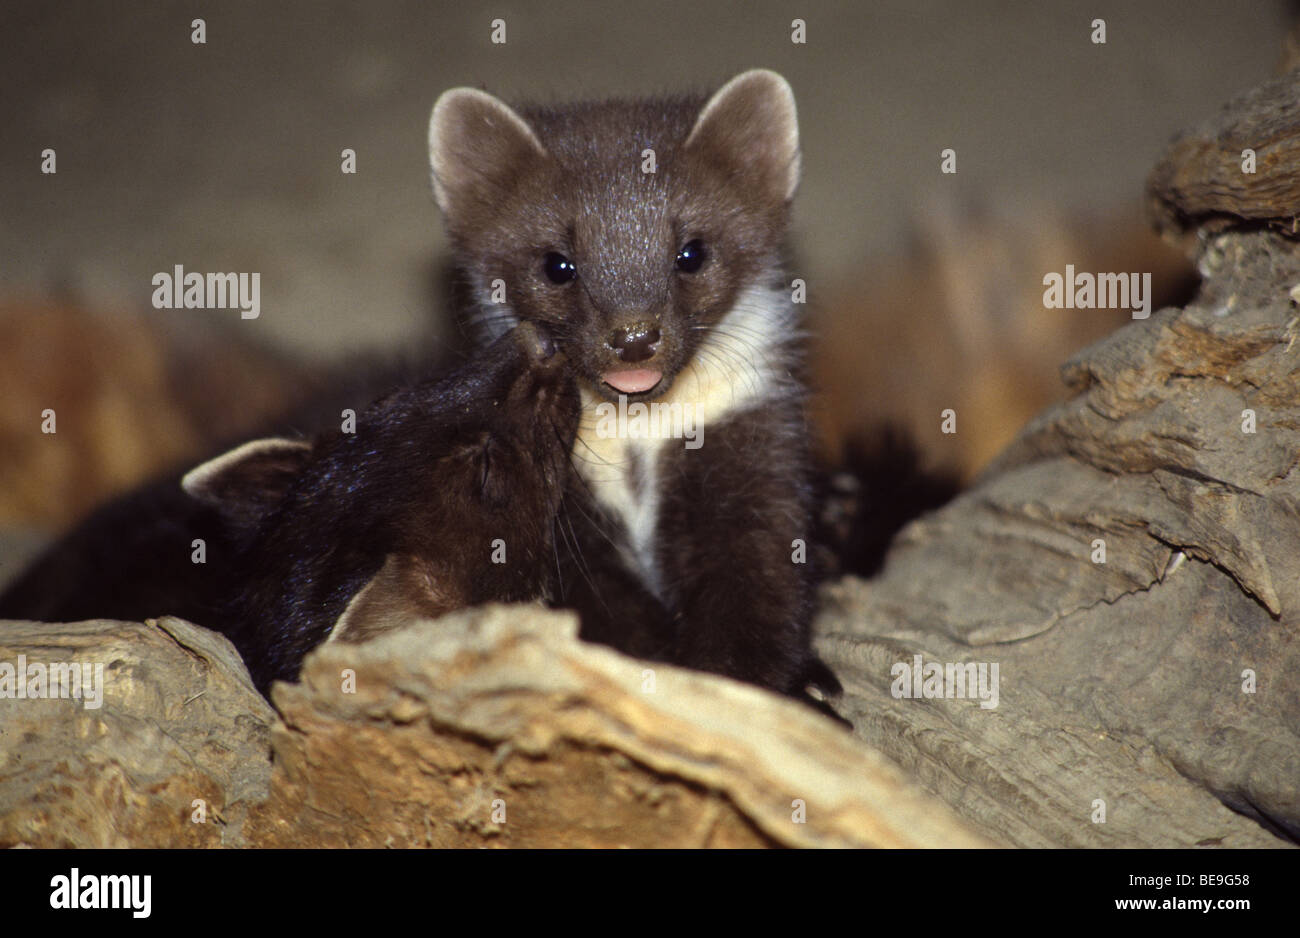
<point x="478" y="146"/>
<point x="248" y="482"/>
<point x="750" y="129"/>
<point x="406" y="588"/>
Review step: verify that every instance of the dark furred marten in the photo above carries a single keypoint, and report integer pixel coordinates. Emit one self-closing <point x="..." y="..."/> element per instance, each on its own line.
<point x="648" y="236"/>
<point x="445" y="496"/>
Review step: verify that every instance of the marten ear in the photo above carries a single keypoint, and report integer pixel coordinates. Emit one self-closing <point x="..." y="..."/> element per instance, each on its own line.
<point x="404" y="589"/>
<point x="477" y="146"/>
<point x="248" y="482"/>
<point x="750" y="129"/>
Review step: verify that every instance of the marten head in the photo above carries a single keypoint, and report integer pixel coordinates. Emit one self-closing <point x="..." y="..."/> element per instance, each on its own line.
<point x="444" y="496"/>
<point x="630" y="228"/>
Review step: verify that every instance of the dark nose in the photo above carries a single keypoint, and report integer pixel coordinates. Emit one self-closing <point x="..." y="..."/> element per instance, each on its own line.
<point x="635" y="343"/>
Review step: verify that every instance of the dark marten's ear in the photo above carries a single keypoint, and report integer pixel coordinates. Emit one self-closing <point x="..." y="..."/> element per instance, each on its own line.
<point x="248" y="482"/>
<point x="750" y="128"/>
<point x="405" y="588"/>
<point x="477" y="145"/>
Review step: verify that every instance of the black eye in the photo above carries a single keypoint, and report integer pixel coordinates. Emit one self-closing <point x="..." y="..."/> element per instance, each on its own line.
<point x="558" y="268"/>
<point x="692" y="256"/>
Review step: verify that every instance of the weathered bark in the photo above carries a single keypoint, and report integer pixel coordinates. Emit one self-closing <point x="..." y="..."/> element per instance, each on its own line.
<point x="179" y="721"/>
<point x="1123" y="680"/>
<point x="1200" y="182"/>
<point x="438" y="729"/>
<point x="505" y="703"/>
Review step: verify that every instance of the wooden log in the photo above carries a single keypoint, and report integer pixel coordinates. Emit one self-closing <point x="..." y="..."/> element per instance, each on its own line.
<point x="1200" y="183"/>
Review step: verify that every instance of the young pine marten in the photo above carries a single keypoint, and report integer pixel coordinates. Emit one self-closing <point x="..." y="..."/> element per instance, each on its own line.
<point x="647" y="235"/>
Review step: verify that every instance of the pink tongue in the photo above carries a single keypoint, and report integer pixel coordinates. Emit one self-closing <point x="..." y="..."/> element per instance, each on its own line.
<point x="633" y="381"/>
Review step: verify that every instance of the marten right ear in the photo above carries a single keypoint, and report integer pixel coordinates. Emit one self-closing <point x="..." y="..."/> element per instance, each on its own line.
<point x="749" y="128"/>
<point x="248" y="482"/>
<point x="477" y="145"/>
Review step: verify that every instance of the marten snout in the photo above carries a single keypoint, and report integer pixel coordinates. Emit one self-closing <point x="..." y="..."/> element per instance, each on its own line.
<point x="636" y="343"/>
